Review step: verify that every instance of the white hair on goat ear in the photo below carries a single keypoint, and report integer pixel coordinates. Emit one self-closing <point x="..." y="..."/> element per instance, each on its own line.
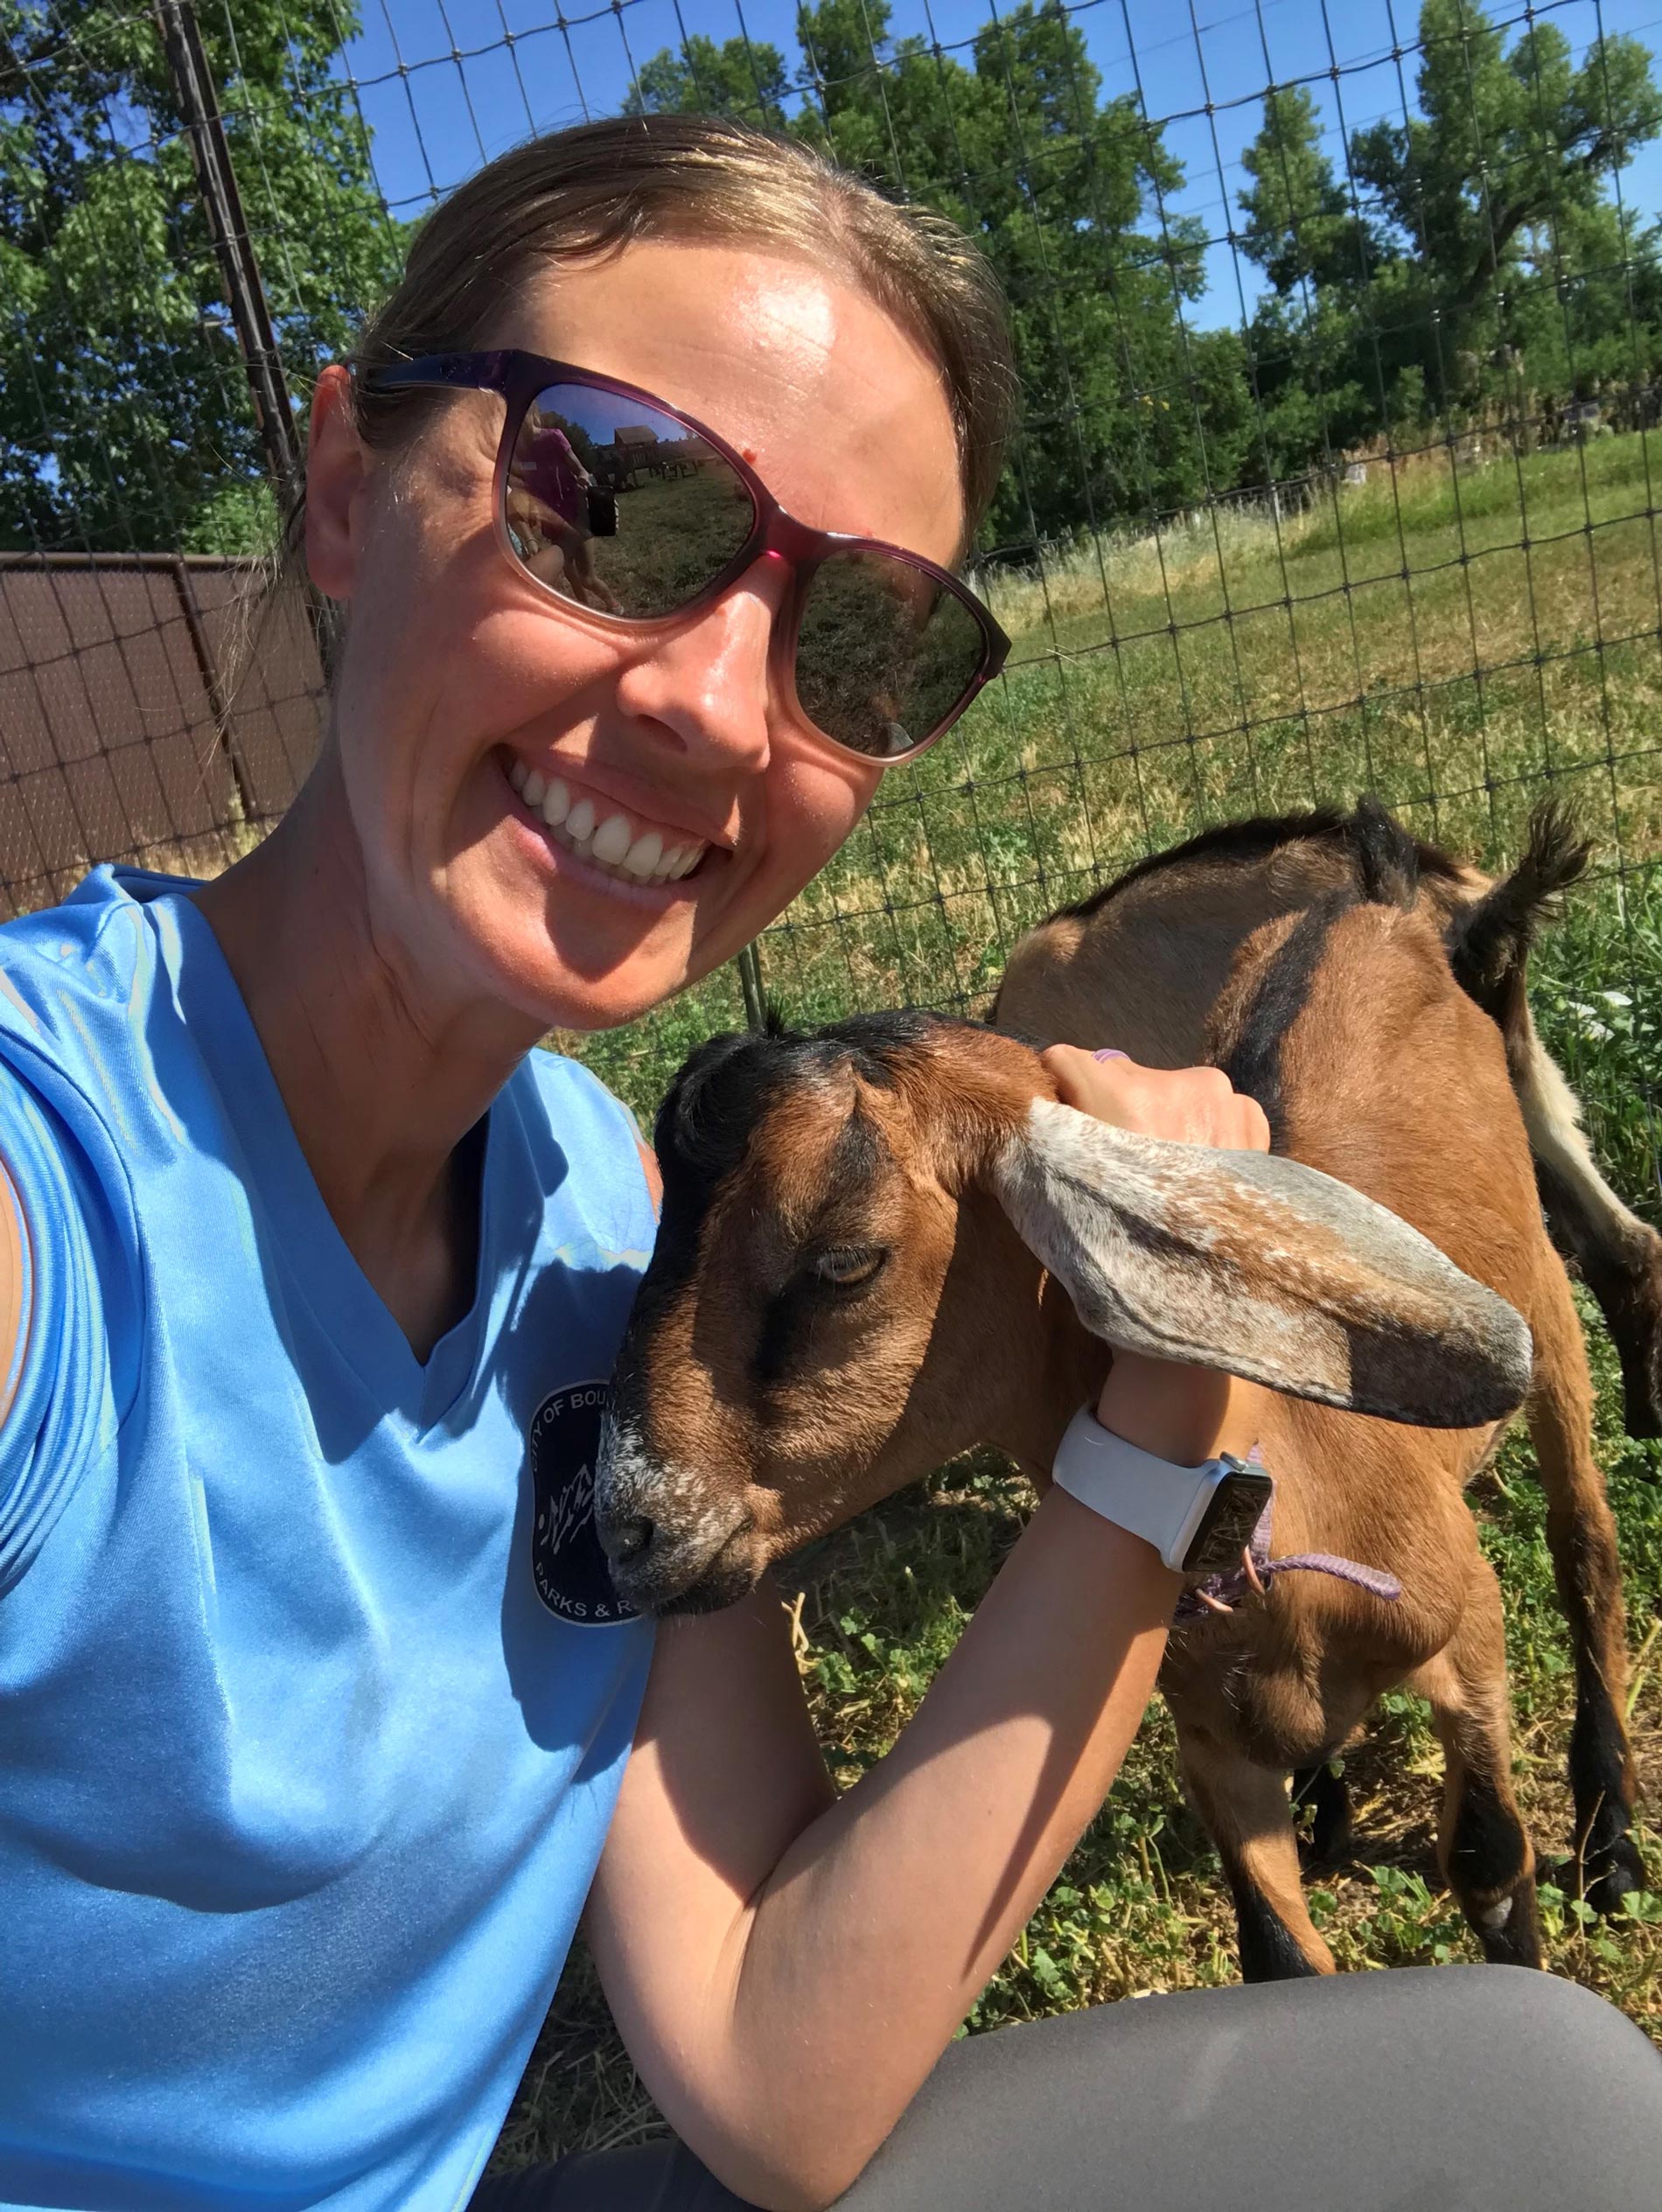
<point x="1257" y="1264"/>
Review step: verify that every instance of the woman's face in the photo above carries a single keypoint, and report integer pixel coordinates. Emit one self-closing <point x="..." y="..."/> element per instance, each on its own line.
<point x="458" y="671"/>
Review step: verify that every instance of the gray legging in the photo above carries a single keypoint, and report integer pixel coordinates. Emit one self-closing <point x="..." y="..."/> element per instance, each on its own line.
<point x="1489" y="2089"/>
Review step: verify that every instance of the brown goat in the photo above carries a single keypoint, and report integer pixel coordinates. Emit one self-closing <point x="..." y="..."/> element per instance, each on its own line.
<point x="889" y="1241"/>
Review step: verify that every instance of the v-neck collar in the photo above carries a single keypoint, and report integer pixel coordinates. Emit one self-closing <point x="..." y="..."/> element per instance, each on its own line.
<point x="341" y="1294"/>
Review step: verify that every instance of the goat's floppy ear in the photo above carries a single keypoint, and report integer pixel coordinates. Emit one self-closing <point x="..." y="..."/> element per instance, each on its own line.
<point x="1256" y="1265"/>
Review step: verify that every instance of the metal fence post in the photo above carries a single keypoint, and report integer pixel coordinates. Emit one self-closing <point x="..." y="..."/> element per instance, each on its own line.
<point x="245" y="295"/>
<point x="749" y="965"/>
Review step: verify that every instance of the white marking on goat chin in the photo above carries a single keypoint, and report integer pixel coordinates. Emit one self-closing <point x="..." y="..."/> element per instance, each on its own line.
<point x="1494" y="1918"/>
<point x="624" y="1473"/>
<point x="632" y="1482"/>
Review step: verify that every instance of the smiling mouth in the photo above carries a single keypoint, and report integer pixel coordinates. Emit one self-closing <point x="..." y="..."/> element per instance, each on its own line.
<point x="607" y="836"/>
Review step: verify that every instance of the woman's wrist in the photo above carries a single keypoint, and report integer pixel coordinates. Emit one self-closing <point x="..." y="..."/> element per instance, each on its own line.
<point x="1185" y="1414"/>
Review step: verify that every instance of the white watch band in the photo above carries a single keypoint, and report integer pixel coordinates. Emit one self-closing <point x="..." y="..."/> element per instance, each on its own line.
<point x="1163" y="1503"/>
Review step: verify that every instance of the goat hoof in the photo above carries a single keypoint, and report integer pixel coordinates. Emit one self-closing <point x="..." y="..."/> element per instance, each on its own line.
<point x="1612" y="1874"/>
<point x="1601" y="1876"/>
<point x="1510" y="1929"/>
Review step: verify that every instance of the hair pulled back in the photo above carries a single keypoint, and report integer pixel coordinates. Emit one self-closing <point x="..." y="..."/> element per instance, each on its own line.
<point x="581" y="195"/>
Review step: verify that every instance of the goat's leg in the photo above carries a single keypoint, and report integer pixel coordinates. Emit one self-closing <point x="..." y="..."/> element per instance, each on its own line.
<point x="1249" y="1817"/>
<point x="1619" y="1257"/>
<point x="1483" y="1846"/>
<point x="1581" y="1534"/>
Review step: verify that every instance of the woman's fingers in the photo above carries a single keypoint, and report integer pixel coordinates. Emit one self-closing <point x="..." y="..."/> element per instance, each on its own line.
<point x="1190" y="1105"/>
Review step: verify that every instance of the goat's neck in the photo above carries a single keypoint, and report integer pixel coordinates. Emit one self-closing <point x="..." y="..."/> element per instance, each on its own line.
<point x="1064" y="1369"/>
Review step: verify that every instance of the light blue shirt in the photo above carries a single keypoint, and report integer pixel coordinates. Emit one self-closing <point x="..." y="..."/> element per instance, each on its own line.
<point x="314" y="1698"/>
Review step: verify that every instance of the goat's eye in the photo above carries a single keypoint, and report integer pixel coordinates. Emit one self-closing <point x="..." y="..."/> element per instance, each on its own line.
<point x="848" y="1265"/>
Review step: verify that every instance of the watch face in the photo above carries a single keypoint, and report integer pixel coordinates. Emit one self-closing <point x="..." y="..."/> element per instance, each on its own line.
<point x="1231" y="1514"/>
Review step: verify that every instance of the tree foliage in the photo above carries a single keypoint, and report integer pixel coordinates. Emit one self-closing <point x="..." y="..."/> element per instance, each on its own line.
<point x="124" y="411"/>
<point x="1472" y="258"/>
<point x="1468" y="261"/>
<point x="734" y="79"/>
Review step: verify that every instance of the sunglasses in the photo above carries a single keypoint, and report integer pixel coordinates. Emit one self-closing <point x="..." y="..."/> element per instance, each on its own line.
<point x="635" y="512"/>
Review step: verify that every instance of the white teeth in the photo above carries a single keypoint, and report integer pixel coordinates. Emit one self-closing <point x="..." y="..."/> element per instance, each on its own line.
<point x="644" y="855"/>
<point x="613" y="844"/>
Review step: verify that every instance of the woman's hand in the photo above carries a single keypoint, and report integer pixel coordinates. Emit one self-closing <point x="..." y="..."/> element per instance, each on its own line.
<point x="1185" y="1414"/>
<point x="1190" y="1105"/>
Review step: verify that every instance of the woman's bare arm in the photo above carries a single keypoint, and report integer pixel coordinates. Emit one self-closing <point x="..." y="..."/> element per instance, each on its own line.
<point x="786" y="1965"/>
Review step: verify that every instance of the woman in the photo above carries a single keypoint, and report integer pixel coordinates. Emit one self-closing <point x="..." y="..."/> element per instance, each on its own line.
<point x="548" y="512"/>
<point x="316" y="1737"/>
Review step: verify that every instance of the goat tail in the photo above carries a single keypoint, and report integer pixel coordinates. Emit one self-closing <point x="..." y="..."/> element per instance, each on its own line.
<point x="1488" y="941"/>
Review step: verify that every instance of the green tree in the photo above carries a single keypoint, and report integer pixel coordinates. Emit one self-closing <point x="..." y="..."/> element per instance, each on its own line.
<point x="125" y="418"/>
<point x="733" y="79"/>
<point x="1315" y="394"/>
<point x="1300" y="228"/>
<point x="1127" y="410"/>
<point x="1511" y="147"/>
<point x="1493" y="268"/>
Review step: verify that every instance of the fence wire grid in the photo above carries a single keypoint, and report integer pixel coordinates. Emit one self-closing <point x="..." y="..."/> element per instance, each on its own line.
<point x="1343" y="383"/>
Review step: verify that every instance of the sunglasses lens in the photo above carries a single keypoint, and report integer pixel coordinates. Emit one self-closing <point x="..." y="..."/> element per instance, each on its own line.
<point x="617" y="506"/>
<point x="884" y="655"/>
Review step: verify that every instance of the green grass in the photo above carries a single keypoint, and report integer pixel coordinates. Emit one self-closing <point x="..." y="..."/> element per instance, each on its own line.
<point x="1313" y="671"/>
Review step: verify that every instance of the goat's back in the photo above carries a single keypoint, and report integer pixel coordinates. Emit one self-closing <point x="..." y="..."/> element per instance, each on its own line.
<point x="1374" y="1065"/>
<point x="1142" y="962"/>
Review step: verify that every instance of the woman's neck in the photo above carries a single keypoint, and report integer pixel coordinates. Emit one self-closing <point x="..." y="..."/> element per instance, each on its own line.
<point x="382" y="1078"/>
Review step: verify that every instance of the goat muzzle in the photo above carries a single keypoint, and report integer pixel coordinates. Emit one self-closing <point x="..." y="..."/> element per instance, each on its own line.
<point x="669" y="1546"/>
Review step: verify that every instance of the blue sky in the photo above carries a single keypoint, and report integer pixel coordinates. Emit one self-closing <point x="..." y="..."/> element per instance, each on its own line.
<point x="444" y="85"/>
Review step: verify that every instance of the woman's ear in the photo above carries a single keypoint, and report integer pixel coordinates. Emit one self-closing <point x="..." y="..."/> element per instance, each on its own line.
<point x="337" y="475"/>
<point x="1260" y="1266"/>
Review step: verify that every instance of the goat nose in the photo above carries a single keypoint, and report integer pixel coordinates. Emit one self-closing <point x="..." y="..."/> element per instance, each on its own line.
<point x="623" y="1541"/>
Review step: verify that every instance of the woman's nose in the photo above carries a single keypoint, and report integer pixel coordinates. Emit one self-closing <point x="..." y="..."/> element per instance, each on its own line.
<point x="708" y="680"/>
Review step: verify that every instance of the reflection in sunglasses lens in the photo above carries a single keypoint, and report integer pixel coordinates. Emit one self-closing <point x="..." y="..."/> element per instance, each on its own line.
<point x="883" y="654"/>
<point x="618" y="508"/>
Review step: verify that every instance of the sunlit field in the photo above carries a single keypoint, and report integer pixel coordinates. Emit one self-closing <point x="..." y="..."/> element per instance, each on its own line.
<point x="1451" y="640"/>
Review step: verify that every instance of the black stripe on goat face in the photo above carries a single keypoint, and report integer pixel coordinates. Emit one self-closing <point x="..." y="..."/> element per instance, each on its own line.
<point x="787" y="1309"/>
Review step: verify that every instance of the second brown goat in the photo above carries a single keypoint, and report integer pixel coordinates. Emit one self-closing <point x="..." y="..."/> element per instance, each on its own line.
<point x="888" y="1241"/>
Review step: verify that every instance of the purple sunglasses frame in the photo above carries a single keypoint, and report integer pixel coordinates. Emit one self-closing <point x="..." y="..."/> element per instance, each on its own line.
<point x="519" y="377"/>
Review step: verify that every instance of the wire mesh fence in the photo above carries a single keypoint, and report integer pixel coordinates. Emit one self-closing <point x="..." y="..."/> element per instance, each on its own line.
<point x="1342" y="353"/>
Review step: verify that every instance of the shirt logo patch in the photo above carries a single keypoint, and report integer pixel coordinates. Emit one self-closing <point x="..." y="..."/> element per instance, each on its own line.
<point x="567" y="1562"/>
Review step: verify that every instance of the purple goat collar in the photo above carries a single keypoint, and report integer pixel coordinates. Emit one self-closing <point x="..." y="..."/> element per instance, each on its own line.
<point x="1222" y="1593"/>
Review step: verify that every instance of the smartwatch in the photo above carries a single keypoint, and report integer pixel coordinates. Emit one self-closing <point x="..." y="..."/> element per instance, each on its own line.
<point x="1198" y="1519"/>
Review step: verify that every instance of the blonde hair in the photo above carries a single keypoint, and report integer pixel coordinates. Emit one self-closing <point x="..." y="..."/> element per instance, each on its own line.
<point x="582" y="193"/>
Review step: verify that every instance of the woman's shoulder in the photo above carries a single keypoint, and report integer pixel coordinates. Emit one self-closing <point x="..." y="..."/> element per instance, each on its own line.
<point x="576" y="1094"/>
<point x="75" y="981"/>
<point x="65" y="970"/>
<point x="593" y="1155"/>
